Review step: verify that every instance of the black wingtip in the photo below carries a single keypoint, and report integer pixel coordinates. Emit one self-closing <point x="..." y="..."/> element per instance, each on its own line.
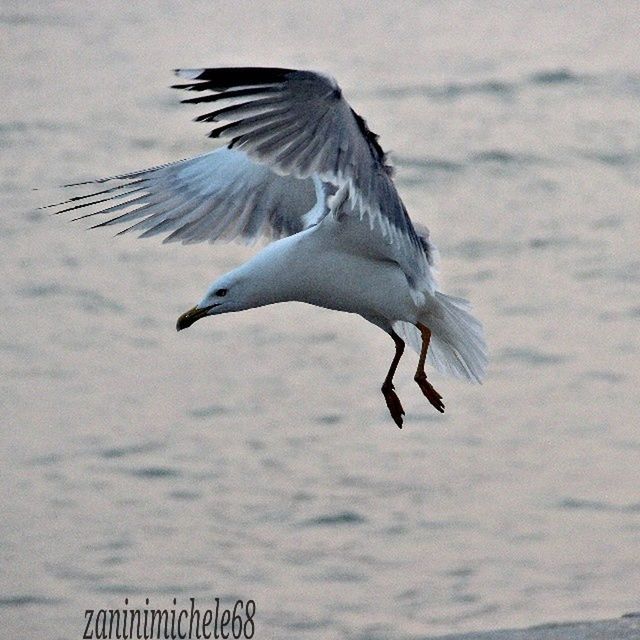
<point x="189" y="86"/>
<point x="216" y="133"/>
<point x="223" y="78"/>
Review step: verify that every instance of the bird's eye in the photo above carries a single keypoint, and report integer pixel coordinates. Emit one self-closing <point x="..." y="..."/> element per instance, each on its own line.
<point x="221" y="293"/>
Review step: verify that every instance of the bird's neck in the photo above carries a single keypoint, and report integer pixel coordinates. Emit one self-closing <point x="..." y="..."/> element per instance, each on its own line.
<point x="275" y="272"/>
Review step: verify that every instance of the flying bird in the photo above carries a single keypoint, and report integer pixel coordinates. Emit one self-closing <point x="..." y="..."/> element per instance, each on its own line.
<point x="302" y="169"/>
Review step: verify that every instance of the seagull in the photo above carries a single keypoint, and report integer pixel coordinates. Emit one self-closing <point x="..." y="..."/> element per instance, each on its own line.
<point x="302" y="170"/>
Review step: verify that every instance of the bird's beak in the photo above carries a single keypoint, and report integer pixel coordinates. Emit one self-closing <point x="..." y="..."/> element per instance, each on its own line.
<point x="188" y="318"/>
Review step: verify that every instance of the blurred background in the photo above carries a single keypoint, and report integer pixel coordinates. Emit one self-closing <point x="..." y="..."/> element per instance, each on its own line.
<point x="252" y="456"/>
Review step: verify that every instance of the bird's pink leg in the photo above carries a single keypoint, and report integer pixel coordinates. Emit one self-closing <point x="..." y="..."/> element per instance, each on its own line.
<point x="393" y="402"/>
<point x="421" y="377"/>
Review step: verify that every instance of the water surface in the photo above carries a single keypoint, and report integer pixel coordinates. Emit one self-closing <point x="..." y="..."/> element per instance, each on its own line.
<point x="252" y="456"/>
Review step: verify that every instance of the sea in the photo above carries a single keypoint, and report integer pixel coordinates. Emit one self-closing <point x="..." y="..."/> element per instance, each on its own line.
<point x="252" y="457"/>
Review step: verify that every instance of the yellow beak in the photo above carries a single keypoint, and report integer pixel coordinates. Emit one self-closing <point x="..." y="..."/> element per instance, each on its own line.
<point x="189" y="317"/>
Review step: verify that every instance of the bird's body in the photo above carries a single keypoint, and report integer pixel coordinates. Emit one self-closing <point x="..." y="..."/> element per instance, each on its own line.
<point x="319" y="266"/>
<point x="303" y="169"/>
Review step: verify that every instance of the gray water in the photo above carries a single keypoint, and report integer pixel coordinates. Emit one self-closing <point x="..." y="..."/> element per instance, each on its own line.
<point x="252" y="456"/>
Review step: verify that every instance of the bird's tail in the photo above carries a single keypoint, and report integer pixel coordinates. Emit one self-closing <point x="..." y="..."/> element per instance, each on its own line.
<point x="457" y="346"/>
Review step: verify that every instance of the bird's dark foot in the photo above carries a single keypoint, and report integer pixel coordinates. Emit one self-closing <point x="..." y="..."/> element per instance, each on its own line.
<point x="393" y="404"/>
<point x="429" y="392"/>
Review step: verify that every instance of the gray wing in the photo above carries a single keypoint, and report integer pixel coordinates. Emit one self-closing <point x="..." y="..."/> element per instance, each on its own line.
<point x="298" y="123"/>
<point x="219" y="195"/>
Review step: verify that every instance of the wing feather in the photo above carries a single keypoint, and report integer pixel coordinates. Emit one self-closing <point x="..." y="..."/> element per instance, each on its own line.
<point x="298" y="123"/>
<point x="222" y="194"/>
<point x="294" y="141"/>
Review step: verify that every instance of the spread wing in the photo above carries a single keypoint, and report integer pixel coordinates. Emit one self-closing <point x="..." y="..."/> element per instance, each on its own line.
<point x="219" y="195"/>
<point x="292" y="140"/>
<point x="298" y="123"/>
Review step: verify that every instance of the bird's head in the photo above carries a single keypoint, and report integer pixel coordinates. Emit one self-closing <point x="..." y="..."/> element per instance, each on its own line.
<point x="260" y="281"/>
<point x="228" y="293"/>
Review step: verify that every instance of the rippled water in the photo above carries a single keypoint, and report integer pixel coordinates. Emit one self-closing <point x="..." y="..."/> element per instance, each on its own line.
<point x="252" y="456"/>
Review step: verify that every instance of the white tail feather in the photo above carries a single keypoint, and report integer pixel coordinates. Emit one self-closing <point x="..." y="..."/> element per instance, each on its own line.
<point x="457" y="345"/>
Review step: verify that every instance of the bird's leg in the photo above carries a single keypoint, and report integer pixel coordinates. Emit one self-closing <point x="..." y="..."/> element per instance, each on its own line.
<point x="421" y="377"/>
<point x="390" y="396"/>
